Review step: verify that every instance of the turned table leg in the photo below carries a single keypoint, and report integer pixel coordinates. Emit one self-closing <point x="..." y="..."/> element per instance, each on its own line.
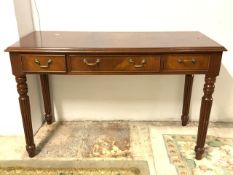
<point x="26" y="114"/>
<point x="46" y="97"/>
<point x="186" y="99"/>
<point x="206" y="105"/>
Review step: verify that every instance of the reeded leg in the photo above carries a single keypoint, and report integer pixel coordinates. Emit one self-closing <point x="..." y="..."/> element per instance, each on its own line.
<point x="26" y="114"/>
<point x="206" y="105"/>
<point x="186" y="99"/>
<point x="46" y="97"/>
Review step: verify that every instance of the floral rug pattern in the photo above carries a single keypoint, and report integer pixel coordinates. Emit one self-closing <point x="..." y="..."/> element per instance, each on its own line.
<point x="70" y="171"/>
<point x="217" y="159"/>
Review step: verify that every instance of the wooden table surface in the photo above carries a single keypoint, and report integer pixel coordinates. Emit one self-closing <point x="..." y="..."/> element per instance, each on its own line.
<point x="116" y="42"/>
<point x="124" y="53"/>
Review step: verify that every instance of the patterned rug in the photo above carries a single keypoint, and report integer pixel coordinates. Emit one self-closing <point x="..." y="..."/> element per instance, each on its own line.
<point x="217" y="159"/>
<point x="70" y="171"/>
<point x="84" y="140"/>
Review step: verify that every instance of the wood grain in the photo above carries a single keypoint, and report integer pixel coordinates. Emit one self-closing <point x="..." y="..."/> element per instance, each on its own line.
<point x="46" y="98"/>
<point x="123" y="42"/>
<point x="109" y="53"/>
<point x="186" y="99"/>
<point x="26" y="114"/>
<point x="206" y="105"/>
<point x="114" y="63"/>
<point x="171" y="62"/>
<point x="58" y="63"/>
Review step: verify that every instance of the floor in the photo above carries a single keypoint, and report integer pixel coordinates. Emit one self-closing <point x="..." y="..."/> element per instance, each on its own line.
<point x="91" y="143"/>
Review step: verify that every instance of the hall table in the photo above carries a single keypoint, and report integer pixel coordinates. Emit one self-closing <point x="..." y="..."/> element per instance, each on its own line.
<point x="78" y="53"/>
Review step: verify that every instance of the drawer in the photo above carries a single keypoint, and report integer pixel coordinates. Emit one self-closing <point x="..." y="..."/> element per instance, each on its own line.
<point x="179" y="62"/>
<point x="82" y="63"/>
<point x="43" y="63"/>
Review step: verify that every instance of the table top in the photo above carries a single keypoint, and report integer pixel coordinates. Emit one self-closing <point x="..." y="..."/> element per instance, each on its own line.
<point x="59" y="41"/>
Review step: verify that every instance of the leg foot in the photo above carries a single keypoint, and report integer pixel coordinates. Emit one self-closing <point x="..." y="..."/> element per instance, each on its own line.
<point x="184" y="120"/>
<point x="49" y="118"/>
<point x="199" y="152"/>
<point x="31" y="149"/>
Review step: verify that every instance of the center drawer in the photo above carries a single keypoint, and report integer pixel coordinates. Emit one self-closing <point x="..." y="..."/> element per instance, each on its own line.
<point x="83" y="63"/>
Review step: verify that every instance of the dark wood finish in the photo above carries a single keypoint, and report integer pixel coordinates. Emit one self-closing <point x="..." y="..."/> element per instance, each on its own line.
<point x="100" y="63"/>
<point x="45" y="63"/>
<point x="206" y="105"/>
<point x="186" y="99"/>
<point x="115" y="42"/>
<point x="215" y="64"/>
<point x="46" y="97"/>
<point x="184" y="62"/>
<point x="16" y="64"/>
<point x="186" y="53"/>
<point x="26" y="114"/>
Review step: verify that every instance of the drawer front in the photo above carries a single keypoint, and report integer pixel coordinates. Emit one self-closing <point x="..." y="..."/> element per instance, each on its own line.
<point x="43" y="63"/>
<point x="193" y="62"/>
<point x="114" y="63"/>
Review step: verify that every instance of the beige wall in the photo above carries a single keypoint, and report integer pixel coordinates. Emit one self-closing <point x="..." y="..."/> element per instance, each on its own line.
<point x="10" y="113"/>
<point x="23" y="13"/>
<point x="139" y="97"/>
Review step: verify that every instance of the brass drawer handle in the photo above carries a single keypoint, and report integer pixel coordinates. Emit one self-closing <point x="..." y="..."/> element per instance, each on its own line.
<point x="131" y="61"/>
<point x="181" y="61"/>
<point x="91" y="64"/>
<point x="43" y="66"/>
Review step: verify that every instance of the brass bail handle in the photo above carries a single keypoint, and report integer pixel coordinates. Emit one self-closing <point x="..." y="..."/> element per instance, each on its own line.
<point x="43" y="66"/>
<point x="143" y="62"/>
<point x="193" y="60"/>
<point x="91" y="64"/>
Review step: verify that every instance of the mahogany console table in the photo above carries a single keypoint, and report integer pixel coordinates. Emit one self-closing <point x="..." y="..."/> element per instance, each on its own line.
<point x="100" y="53"/>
